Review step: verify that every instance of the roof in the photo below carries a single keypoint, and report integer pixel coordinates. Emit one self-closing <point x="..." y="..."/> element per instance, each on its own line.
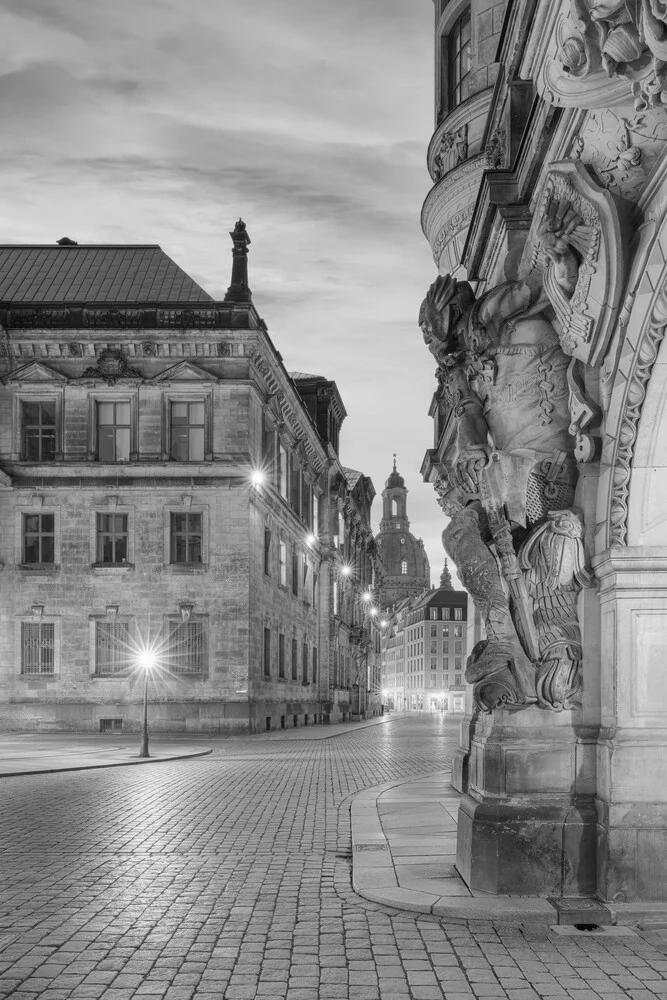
<point x="94" y="274"/>
<point x="352" y="477"/>
<point x="305" y="377"/>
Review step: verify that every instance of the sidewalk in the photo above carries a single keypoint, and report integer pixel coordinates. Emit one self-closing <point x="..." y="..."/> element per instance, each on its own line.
<point x="42" y="753"/>
<point x="404" y="855"/>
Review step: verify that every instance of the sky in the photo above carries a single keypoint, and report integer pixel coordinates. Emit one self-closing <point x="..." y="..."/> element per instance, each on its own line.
<point x="163" y="121"/>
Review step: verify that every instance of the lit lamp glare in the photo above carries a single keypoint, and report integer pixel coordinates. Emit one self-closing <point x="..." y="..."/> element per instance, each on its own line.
<point x="384" y="623"/>
<point x="374" y="611"/>
<point x="310" y="540"/>
<point x="367" y="595"/>
<point x="257" y="478"/>
<point x="146" y="660"/>
<point x="345" y="570"/>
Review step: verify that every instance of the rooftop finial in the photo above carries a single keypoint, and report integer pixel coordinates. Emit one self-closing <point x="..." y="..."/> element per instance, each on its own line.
<point x="238" y="290"/>
<point x="394" y="462"/>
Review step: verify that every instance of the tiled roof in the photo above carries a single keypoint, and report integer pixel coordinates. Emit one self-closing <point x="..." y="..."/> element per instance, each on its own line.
<point x="88" y="274"/>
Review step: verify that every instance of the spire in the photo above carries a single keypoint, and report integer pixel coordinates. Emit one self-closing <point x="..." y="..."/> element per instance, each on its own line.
<point x="238" y="291"/>
<point x="446" y="579"/>
<point x="394" y="462"/>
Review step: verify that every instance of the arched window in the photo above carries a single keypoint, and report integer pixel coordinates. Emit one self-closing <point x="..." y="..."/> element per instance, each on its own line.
<point x="459" y="60"/>
<point x="404" y="568"/>
<point x="394" y="508"/>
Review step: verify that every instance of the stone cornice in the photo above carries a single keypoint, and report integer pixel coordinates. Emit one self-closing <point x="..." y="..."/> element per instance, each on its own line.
<point x="142" y="316"/>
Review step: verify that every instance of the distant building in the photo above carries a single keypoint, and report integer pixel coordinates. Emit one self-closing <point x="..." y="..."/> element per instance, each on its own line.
<point x="424" y="652"/>
<point x="165" y="478"/>
<point x="405" y="566"/>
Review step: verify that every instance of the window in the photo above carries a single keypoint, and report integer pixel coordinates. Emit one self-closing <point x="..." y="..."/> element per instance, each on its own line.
<point x="37" y="648"/>
<point x="295" y="486"/>
<point x="404" y="567"/>
<point x="458" y="631"/>
<point x="112" y="653"/>
<point x="458" y="662"/>
<point x="459" y="61"/>
<point x="295" y="574"/>
<point x="458" y="614"/>
<point x="434" y="647"/>
<point x="306" y="502"/>
<point x="267" y="552"/>
<point x="434" y="614"/>
<point x="38" y="539"/>
<point x="283" y="481"/>
<point x="445" y="614"/>
<point x="187" y="432"/>
<point x="304" y="663"/>
<point x="457" y="678"/>
<point x="458" y="647"/>
<point x="336" y="598"/>
<point x="281" y="656"/>
<point x="315" y="582"/>
<point x="186" y="647"/>
<point x="445" y="631"/>
<point x="445" y="663"/>
<point x="283" y="564"/>
<point x="38" y="429"/>
<point x="112" y="538"/>
<point x="113" y="432"/>
<point x="295" y="659"/>
<point x="186" y="538"/>
<point x="316" y="513"/>
<point x="434" y="631"/>
<point x="314" y="664"/>
<point x="434" y="663"/>
<point x="267" y="652"/>
<point x="304" y="584"/>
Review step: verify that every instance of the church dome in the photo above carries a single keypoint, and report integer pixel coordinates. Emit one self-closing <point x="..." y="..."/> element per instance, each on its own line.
<point x="398" y="547"/>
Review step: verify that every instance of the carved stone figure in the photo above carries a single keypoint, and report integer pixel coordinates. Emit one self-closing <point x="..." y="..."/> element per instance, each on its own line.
<point x="510" y="471"/>
<point x="453" y="150"/>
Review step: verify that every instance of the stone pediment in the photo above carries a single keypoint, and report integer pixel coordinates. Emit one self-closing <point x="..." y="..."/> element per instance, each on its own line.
<point x="37" y="372"/>
<point x="185" y="371"/>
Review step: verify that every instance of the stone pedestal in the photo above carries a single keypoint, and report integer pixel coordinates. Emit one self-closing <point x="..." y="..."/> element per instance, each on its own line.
<point x="527" y="824"/>
<point x="632" y="751"/>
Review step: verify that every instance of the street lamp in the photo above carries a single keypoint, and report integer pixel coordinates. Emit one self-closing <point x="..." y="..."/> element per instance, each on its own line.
<point x="145" y="661"/>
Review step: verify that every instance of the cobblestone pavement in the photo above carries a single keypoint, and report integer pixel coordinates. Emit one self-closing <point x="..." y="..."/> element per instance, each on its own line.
<point x="227" y="877"/>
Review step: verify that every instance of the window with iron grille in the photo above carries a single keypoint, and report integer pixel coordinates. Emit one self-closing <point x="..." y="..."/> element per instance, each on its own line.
<point x="187" y="431"/>
<point x="38" y="539"/>
<point x="186" y="647"/>
<point x="113" y="432"/>
<point x="37" y="648"/>
<point x="112" y="653"/>
<point x="112" y="538"/>
<point x="281" y="656"/>
<point x="304" y="663"/>
<point x="459" y="60"/>
<point x="186" y="538"/>
<point x="38" y="432"/>
<point x="295" y="660"/>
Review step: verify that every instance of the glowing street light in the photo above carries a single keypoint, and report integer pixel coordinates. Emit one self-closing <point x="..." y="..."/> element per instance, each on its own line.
<point x="146" y="660"/>
<point x="384" y="623"/>
<point x="257" y="477"/>
<point x="345" y="570"/>
<point x="310" y="540"/>
<point x="374" y="611"/>
<point x="367" y="596"/>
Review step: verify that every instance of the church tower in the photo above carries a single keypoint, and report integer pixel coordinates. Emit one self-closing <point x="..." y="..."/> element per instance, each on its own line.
<point x="405" y="567"/>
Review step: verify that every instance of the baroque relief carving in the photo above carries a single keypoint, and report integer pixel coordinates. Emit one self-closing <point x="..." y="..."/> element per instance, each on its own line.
<point x="622" y="151"/>
<point x="622" y="41"/>
<point x="453" y="150"/>
<point x="453" y="226"/>
<point x="627" y="434"/>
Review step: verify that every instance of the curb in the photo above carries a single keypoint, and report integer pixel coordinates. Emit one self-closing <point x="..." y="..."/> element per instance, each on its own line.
<point x="115" y="763"/>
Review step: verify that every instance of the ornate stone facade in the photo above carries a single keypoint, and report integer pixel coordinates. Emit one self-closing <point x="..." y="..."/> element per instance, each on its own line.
<point x="549" y="412"/>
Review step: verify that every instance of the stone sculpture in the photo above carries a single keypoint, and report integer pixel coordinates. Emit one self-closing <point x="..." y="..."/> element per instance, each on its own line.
<point x="510" y="471"/>
<point x="627" y="39"/>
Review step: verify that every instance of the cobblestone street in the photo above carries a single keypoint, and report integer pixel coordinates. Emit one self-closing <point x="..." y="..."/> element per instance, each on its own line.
<point x="228" y="876"/>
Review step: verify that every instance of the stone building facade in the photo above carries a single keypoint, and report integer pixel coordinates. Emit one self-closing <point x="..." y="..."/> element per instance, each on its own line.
<point x="405" y="567"/>
<point x="163" y="483"/>
<point x="547" y="218"/>
<point x="424" y="652"/>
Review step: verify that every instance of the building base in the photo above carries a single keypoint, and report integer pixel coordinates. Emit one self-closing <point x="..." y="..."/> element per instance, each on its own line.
<point x="527" y="822"/>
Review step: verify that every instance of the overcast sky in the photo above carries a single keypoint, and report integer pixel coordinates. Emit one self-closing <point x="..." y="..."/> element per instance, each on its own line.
<point x="163" y="121"/>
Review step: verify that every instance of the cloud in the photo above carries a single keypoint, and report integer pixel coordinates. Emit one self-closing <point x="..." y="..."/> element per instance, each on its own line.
<point x="163" y="122"/>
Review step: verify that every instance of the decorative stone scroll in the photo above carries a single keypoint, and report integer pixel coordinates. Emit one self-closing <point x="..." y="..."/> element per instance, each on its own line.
<point x="607" y="51"/>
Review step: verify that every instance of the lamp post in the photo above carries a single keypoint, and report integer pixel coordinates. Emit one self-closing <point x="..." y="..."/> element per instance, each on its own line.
<point x="146" y="659"/>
